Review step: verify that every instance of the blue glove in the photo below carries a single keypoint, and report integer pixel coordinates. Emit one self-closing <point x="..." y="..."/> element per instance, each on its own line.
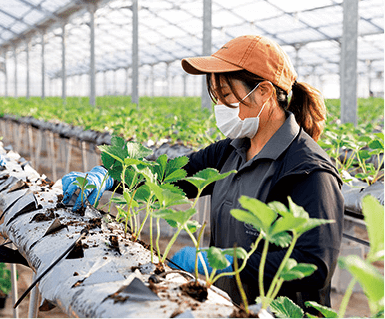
<point x="94" y="177"/>
<point x="185" y="258"/>
<point x="2" y="160"/>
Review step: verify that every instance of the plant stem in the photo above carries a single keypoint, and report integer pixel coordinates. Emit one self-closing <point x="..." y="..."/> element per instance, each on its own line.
<point x="232" y="273"/>
<point x="113" y="193"/>
<point x="196" y="251"/>
<point x="151" y="241"/>
<point x="97" y="196"/>
<point x="261" y="270"/>
<point x="158" y="237"/>
<point x="345" y="299"/>
<point x="239" y="282"/>
<point x="282" y="265"/>
<point x="196" y="198"/>
<point x="196" y="244"/>
<point x="277" y="288"/>
<point x="169" y="245"/>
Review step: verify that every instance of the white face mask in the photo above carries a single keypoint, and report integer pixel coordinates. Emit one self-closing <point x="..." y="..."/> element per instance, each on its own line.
<point x="231" y="125"/>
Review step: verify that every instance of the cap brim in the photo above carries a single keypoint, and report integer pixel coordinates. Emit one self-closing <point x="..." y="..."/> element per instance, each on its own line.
<point x="207" y="64"/>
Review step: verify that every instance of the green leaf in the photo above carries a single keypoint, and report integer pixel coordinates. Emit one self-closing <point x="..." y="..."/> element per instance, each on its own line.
<point x="369" y="278"/>
<point x="90" y="186"/>
<point x="181" y="217"/>
<point x="258" y="214"/>
<point x="175" y="176"/>
<point x="293" y="271"/>
<point x="283" y="307"/>
<point x="192" y="225"/>
<point x="326" y="311"/>
<point x="175" y="164"/>
<point x="376" y="144"/>
<point x="142" y="194"/>
<point x="116" y="153"/>
<point x="374" y="218"/>
<point x="160" y="169"/>
<point x="312" y="223"/>
<point x="281" y="239"/>
<point x="134" y="161"/>
<point x="241" y="252"/>
<point x="289" y="222"/>
<point x="137" y="150"/>
<point x="216" y="258"/>
<point x="207" y="176"/>
<point x="364" y="154"/>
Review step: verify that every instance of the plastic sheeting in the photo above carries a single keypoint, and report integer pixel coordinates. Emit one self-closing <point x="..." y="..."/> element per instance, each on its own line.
<point x="108" y="275"/>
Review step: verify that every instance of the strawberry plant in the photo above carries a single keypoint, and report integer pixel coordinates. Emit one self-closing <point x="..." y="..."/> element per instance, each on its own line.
<point x="281" y="226"/>
<point x="363" y="272"/>
<point x="82" y="183"/>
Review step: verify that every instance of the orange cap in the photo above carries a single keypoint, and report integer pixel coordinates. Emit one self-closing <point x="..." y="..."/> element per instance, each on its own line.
<point x="254" y="53"/>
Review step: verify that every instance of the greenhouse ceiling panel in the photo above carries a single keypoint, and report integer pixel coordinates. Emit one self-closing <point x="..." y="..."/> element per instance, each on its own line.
<point x="169" y="30"/>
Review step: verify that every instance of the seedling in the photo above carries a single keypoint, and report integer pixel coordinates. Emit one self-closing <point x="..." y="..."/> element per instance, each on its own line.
<point x="363" y="271"/>
<point x="264" y="217"/>
<point x="82" y="182"/>
<point x="147" y="185"/>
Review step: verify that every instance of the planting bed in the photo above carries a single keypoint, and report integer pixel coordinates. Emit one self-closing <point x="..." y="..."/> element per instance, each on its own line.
<point x="109" y="275"/>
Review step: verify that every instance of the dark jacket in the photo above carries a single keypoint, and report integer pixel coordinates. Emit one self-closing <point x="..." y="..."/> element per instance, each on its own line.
<point x="303" y="172"/>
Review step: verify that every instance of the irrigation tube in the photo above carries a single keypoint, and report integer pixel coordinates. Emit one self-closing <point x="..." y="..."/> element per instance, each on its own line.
<point x="107" y="275"/>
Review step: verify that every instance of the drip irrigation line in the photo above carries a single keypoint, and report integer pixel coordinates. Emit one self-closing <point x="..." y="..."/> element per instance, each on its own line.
<point x="358" y="240"/>
<point x="83" y="234"/>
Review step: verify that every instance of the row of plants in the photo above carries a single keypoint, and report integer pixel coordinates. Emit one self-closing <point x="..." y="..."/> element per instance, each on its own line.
<point x="358" y="149"/>
<point x="174" y="119"/>
<point x="182" y="120"/>
<point x="150" y="186"/>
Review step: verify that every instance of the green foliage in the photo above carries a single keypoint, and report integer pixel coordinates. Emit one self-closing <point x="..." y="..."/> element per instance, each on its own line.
<point x="5" y="279"/>
<point x="326" y="311"/>
<point x="350" y="147"/>
<point x="275" y="221"/>
<point x="283" y="307"/>
<point x="177" y="119"/>
<point x="82" y="183"/>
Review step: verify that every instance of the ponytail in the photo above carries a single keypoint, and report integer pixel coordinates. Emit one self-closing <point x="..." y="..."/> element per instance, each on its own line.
<point x="309" y="109"/>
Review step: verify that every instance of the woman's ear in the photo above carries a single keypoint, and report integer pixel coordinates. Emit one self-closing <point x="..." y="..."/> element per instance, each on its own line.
<point x="266" y="88"/>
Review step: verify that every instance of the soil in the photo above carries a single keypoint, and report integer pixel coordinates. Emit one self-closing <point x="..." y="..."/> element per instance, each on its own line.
<point x="195" y="290"/>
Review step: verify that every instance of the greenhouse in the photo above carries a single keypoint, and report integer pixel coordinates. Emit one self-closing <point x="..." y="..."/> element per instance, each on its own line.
<point x="133" y="185"/>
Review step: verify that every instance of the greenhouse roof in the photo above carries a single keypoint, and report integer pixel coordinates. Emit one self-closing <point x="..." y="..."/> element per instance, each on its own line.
<point x="169" y="30"/>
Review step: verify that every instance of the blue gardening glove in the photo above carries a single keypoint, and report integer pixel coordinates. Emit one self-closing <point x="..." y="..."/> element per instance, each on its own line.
<point x="2" y="160"/>
<point x="185" y="258"/>
<point x="94" y="177"/>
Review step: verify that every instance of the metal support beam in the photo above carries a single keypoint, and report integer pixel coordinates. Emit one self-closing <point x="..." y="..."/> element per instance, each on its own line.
<point x="105" y="83"/>
<point x="135" y="53"/>
<point x="184" y="85"/>
<point x="369" y="64"/>
<point x="5" y="75"/>
<point x="27" y="66"/>
<point x="42" y="65"/>
<point x="206" y="47"/>
<point x="15" y="77"/>
<point x="63" y="62"/>
<point x="92" y="9"/>
<point x="152" y="81"/>
<point x="348" y="62"/>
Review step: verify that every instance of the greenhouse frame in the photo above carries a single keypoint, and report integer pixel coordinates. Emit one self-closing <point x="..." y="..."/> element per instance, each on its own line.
<point x="100" y="47"/>
<point x="80" y="79"/>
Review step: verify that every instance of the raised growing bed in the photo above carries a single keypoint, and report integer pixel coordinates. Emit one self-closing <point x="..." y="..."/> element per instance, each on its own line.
<point x="107" y="275"/>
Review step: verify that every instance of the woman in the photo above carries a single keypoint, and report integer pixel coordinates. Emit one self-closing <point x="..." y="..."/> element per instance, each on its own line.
<point x="272" y="145"/>
<point x="271" y="142"/>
